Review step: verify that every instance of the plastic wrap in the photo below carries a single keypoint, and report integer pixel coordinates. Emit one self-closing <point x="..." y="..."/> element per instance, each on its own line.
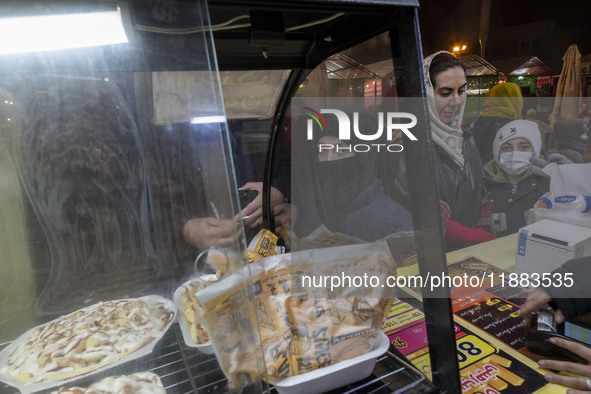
<point x="301" y="329"/>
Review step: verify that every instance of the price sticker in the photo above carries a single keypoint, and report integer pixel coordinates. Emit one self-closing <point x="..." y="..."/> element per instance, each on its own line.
<point x="400" y="308"/>
<point x="423" y="364"/>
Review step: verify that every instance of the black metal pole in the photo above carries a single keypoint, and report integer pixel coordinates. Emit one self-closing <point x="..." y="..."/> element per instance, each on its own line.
<point x="294" y="80"/>
<point x="426" y="212"/>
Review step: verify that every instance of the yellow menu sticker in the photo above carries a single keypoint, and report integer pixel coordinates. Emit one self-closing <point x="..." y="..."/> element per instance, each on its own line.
<point x="471" y="349"/>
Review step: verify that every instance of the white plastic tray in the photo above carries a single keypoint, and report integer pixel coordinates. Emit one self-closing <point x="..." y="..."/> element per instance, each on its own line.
<point x="334" y="376"/>
<point x="207" y="347"/>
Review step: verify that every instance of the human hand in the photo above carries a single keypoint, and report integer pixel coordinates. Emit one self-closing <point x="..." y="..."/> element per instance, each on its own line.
<point x="537" y="166"/>
<point x="285" y="214"/>
<point x="253" y="212"/>
<point x="207" y="232"/>
<point x="582" y="384"/>
<point x="536" y="299"/>
<point x="558" y="159"/>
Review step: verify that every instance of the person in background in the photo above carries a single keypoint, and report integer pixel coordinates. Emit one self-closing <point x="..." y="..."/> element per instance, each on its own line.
<point x="501" y="104"/>
<point x="571" y="304"/>
<point x="571" y="139"/>
<point x="511" y="185"/>
<point x="584" y="116"/>
<point x="459" y="171"/>
<point x="545" y="129"/>
<point x="345" y="194"/>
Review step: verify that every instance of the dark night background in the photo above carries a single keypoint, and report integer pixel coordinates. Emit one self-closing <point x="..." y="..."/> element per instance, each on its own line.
<point x="518" y="29"/>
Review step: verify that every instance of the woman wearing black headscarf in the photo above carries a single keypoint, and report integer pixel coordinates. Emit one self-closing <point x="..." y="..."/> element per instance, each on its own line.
<point x="346" y="195"/>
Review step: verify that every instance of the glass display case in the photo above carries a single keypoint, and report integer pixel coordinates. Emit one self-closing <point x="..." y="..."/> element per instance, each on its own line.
<point x="122" y="164"/>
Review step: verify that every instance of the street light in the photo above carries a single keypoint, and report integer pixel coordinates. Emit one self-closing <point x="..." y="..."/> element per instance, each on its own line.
<point x="459" y="49"/>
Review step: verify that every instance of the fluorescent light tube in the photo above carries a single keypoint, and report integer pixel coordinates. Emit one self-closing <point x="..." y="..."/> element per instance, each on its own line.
<point x="208" y="119"/>
<point x="61" y="31"/>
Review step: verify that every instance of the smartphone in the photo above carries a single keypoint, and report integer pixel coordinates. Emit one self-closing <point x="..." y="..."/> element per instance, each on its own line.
<point x="246" y="197"/>
<point x="543" y="327"/>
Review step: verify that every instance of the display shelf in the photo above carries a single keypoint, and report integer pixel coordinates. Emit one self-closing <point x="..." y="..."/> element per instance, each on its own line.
<point x="181" y="367"/>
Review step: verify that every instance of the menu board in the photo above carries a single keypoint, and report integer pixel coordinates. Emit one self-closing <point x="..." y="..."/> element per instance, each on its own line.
<point x="489" y="333"/>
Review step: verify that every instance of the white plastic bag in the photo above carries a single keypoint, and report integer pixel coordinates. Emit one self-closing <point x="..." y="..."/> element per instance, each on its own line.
<point x="569" y="199"/>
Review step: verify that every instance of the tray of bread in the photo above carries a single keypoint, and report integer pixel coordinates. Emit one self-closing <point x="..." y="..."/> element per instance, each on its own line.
<point x="136" y="383"/>
<point x="86" y="341"/>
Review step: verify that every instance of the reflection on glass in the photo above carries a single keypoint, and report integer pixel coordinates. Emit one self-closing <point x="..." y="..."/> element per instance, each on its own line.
<point x="106" y="154"/>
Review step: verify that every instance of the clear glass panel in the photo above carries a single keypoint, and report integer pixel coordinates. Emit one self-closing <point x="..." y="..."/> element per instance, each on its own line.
<point x="349" y="200"/>
<point x="327" y="185"/>
<point x="117" y="172"/>
<point x="360" y="78"/>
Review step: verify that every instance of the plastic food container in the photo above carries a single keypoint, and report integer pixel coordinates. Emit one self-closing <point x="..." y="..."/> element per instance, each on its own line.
<point x="334" y="376"/>
<point x="206" y="347"/>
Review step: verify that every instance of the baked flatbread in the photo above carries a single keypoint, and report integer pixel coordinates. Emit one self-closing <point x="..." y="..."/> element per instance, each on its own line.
<point x="137" y="383"/>
<point x="86" y="340"/>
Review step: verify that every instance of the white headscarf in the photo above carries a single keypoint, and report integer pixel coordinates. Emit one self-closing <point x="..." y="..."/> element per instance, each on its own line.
<point x="448" y="137"/>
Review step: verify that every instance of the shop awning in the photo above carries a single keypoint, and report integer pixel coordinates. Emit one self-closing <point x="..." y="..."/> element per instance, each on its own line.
<point x="528" y="65"/>
<point x="475" y="65"/>
<point x="341" y="66"/>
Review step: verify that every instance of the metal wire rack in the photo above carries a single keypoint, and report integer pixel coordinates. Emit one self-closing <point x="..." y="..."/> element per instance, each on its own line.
<point x="183" y="370"/>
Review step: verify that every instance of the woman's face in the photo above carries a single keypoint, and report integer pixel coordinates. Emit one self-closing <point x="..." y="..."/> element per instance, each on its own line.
<point x="450" y="93"/>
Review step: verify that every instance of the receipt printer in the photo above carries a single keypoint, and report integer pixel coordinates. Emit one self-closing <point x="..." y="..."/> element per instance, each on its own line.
<point x="543" y="246"/>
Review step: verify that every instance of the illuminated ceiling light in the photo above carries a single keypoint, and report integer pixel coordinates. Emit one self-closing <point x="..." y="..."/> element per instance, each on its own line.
<point x="208" y="119"/>
<point x="456" y="49"/>
<point x="61" y="31"/>
<point x="463" y="47"/>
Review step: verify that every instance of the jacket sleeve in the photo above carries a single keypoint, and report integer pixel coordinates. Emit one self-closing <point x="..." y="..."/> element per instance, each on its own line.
<point x="459" y="236"/>
<point x="574" y="300"/>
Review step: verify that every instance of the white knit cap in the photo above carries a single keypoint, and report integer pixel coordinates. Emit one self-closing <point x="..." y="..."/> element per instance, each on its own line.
<point x="518" y="129"/>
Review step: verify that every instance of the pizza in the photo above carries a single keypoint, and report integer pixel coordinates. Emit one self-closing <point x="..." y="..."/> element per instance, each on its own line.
<point x="137" y="383"/>
<point x="86" y="340"/>
<point x="192" y="312"/>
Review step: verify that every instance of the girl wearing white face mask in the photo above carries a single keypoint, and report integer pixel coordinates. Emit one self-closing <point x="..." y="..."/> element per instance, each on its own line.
<point x="512" y="187"/>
